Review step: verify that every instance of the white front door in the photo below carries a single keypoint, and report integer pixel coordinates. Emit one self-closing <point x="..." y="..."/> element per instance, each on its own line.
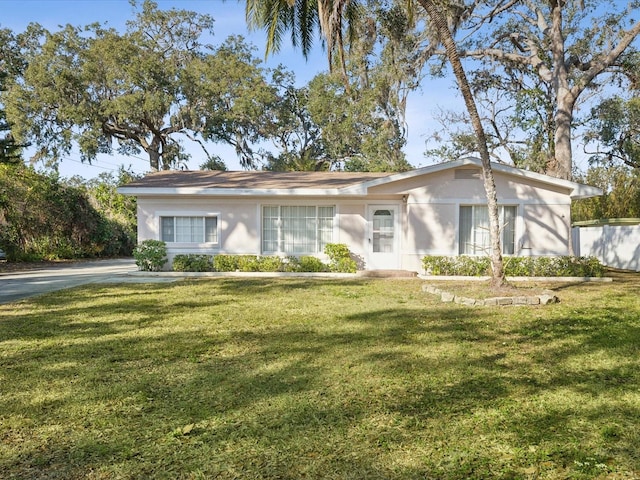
<point x="383" y="237"/>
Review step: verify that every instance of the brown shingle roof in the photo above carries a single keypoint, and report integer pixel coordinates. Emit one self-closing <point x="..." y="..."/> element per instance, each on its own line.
<point x="253" y="179"/>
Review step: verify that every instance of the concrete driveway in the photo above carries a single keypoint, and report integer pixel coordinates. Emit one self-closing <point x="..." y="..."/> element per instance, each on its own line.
<point x="18" y="285"/>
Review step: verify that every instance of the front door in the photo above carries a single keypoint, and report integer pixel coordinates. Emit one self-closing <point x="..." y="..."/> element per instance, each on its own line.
<point x="383" y="237"/>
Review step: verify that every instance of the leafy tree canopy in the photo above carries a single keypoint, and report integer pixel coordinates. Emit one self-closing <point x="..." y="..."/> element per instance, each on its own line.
<point x="537" y="60"/>
<point x="621" y="199"/>
<point x="143" y="90"/>
<point x="616" y="130"/>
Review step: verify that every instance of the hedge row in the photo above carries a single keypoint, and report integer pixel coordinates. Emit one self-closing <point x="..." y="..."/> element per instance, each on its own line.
<point x="151" y="255"/>
<point x="563" y="266"/>
<point x="246" y="263"/>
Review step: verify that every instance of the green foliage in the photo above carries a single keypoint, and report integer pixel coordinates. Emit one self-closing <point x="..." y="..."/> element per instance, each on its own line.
<point x="267" y="263"/>
<point x="616" y="127"/>
<point x="517" y="89"/>
<point x="311" y="264"/>
<point x="270" y="264"/>
<point x="340" y="258"/>
<point x="461" y="265"/>
<point x="44" y="218"/>
<point x="564" y="266"/>
<point x="101" y="90"/>
<point x="10" y="151"/>
<point x="150" y="255"/>
<point x="360" y="125"/>
<point x="225" y="263"/>
<point x="248" y="263"/>
<point x="621" y="198"/>
<point x="192" y="263"/>
<point x="561" y="266"/>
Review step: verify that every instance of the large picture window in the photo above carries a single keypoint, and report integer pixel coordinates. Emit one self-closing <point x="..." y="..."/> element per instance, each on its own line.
<point x="189" y="229"/>
<point x="296" y="229"/>
<point x="474" y="229"/>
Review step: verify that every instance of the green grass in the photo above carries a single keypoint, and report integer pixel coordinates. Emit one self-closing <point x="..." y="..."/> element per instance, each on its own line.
<point x="337" y="379"/>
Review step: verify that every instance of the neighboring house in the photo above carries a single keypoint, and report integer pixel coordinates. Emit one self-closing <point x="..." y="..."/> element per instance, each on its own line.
<point x="388" y="220"/>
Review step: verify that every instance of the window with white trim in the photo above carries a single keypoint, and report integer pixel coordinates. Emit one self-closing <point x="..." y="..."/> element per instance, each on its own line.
<point x="296" y="229"/>
<point x="475" y="238"/>
<point x="189" y="229"/>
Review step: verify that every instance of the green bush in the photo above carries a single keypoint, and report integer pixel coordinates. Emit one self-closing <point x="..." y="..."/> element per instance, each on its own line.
<point x="225" y="263"/>
<point x="344" y="265"/>
<point x="290" y="264"/>
<point x="44" y="217"/>
<point x="311" y="264"/>
<point x="462" y="265"/>
<point x="150" y="255"/>
<point x="248" y="263"/>
<point x="561" y="266"/>
<point x="254" y="263"/>
<point x="340" y="258"/>
<point x="193" y="263"/>
<point x="270" y="264"/>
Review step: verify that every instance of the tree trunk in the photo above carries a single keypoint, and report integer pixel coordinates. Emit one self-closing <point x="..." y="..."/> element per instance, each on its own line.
<point x="563" y="164"/>
<point x="440" y="22"/>
<point x="154" y="159"/>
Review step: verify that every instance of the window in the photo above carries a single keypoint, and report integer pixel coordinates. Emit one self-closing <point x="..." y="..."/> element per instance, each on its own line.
<point x="383" y="231"/>
<point x="474" y="229"/>
<point x="296" y="229"/>
<point x="189" y="229"/>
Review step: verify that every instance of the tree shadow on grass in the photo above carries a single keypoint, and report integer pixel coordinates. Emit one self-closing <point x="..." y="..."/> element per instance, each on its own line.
<point x="350" y="399"/>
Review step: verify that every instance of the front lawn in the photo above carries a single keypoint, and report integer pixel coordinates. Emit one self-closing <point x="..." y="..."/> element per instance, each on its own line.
<point x="318" y="378"/>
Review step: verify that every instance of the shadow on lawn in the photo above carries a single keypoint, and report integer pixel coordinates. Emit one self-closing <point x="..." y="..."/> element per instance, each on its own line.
<point x="349" y="399"/>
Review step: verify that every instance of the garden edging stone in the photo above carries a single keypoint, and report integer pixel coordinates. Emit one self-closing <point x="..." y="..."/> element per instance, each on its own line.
<point x="448" y="297"/>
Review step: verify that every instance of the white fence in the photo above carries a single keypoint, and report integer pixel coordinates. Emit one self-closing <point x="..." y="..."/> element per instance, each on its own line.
<point x="615" y="246"/>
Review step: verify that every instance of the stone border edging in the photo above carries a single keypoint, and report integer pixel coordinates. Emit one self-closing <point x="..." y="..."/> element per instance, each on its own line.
<point x="447" y="297"/>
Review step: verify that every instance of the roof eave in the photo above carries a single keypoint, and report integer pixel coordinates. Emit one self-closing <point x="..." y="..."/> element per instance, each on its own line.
<point x="225" y="192"/>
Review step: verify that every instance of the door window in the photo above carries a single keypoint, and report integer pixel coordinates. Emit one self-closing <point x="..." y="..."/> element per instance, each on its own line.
<point x="383" y="231"/>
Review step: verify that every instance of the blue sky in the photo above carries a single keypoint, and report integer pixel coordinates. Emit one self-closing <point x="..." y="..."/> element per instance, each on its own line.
<point x="229" y="19"/>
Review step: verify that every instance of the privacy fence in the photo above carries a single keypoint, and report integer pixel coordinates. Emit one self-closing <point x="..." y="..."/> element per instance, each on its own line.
<point x="616" y="246"/>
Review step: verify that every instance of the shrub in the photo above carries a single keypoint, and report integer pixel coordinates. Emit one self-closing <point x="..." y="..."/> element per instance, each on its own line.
<point x="340" y="258"/>
<point x="150" y="255"/>
<point x="270" y="264"/>
<point x="248" y="263"/>
<point x="290" y="264"/>
<point x="562" y="266"/>
<point x="311" y="264"/>
<point x="193" y="263"/>
<point x="225" y="263"/>
<point x="462" y="265"/>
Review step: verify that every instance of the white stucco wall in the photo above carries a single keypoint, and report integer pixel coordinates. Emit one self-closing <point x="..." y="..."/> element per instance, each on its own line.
<point x="433" y="206"/>
<point x="428" y="209"/>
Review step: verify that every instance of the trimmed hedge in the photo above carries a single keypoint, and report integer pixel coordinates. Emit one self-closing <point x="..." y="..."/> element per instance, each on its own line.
<point x="561" y="266"/>
<point x="340" y="262"/>
<point x="246" y="263"/>
<point x="192" y="263"/>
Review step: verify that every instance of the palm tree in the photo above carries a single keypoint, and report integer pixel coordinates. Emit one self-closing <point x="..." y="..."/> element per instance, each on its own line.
<point x="439" y="20"/>
<point x="302" y="17"/>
